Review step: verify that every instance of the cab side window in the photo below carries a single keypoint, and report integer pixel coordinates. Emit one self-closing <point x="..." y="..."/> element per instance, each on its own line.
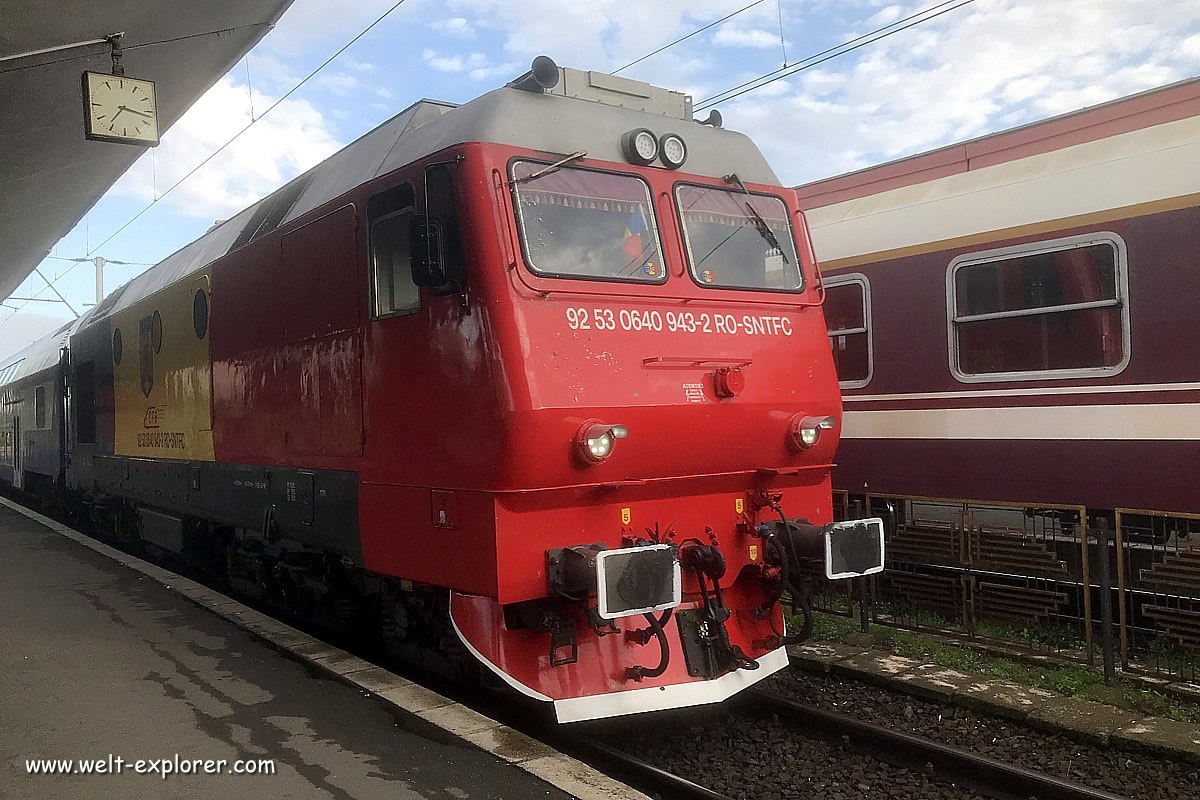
<point x="389" y="215"/>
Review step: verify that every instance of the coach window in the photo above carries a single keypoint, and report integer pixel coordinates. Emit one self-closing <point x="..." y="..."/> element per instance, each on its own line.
<point x="39" y="407"/>
<point x="1047" y="310"/>
<point x="848" y="321"/>
<point x="392" y="289"/>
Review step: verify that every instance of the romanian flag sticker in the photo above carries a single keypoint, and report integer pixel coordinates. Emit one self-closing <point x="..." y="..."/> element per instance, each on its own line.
<point x="708" y="276"/>
<point x="651" y="269"/>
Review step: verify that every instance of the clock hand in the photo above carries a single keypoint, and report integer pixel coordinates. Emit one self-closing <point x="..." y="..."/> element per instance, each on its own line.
<point x="132" y="111"/>
<point x="119" y="110"/>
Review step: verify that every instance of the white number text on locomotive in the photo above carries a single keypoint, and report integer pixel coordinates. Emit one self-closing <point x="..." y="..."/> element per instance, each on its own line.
<point x="605" y="319"/>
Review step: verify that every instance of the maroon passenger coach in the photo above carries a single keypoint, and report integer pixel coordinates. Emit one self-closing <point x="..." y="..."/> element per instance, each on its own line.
<point x="1015" y="318"/>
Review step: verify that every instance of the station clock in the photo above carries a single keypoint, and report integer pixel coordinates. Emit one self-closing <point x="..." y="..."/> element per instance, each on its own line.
<point x="117" y="108"/>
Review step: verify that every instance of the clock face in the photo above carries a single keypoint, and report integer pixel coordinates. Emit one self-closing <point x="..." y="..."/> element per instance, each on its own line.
<point x="117" y="108"/>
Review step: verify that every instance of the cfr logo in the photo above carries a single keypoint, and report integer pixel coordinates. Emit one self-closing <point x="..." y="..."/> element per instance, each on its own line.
<point x="155" y="417"/>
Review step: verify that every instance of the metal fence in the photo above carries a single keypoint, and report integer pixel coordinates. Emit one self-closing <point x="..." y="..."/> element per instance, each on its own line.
<point x="1037" y="576"/>
<point x="1158" y="563"/>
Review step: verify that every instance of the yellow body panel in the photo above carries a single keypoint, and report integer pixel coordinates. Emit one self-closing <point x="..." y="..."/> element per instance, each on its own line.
<point x="163" y="381"/>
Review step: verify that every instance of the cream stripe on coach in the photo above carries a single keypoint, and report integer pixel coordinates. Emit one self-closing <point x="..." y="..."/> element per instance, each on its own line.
<point x="1163" y="421"/>
<point x="1132" y="168"/>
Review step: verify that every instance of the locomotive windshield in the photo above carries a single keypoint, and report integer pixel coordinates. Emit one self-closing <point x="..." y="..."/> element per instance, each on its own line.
<point x="738" y="240"/>
<point x="587" y="224"/>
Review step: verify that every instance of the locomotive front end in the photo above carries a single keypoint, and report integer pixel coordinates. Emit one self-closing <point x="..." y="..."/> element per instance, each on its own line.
<point x="663" y="484"/>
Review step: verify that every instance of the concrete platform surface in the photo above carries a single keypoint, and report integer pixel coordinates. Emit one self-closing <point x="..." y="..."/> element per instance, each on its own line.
<point x="97" y="660"/>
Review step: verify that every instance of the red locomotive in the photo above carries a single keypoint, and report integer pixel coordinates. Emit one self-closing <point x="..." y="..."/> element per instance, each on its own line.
<point x="522" y="379"/>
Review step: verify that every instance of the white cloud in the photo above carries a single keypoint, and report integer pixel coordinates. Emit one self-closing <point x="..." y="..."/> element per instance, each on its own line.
<point x="279" y="146"/>
<point x="456" y="27"/>
<point x="730" y="36"/>
<point x="509" y="70"/>
<point x="350" y="62"/>
<point x="885" y="16"/>
<point x="477" y="65"/>
<point x="819" y="82"/>
<point x="441" y="64"/>
<point x="1190" y="47"/>
<point x="338" y="82"/>
<point x="18" y="331"/>
<point x="268" y="73"/>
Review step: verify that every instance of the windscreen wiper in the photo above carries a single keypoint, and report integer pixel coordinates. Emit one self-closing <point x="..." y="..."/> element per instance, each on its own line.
<point x="759" y="223"/>
<point x="546" y="170"/>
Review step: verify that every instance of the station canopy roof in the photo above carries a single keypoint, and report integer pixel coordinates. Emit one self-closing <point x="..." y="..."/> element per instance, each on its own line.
<point x="49" y="174"/>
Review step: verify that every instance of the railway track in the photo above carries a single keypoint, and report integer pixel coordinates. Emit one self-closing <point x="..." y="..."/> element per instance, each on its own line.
<point x="983" y="774"/>
<point x="972" y="774"/>
<point x="635" y="771"/>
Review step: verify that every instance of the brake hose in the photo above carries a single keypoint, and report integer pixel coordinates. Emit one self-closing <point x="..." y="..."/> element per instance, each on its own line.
<point x="656" y="627"/>
<point x="799" y="596"/>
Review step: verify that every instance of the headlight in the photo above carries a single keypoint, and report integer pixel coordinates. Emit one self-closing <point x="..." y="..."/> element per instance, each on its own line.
<point x="804" y="432"/>
<point x="674" y="151"/>
<point x="595" y="440"/>
<point x="640" y="146"/>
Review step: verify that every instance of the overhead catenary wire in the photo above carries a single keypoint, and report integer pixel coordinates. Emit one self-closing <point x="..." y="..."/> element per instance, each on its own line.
<point x="686" y="37"/>
<point x="833" y="52"/>
<point x="231" y="140"/>
<point x="829" y="50"/>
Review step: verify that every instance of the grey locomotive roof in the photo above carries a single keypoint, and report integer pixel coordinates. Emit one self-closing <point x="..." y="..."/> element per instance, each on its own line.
<point x="510" y="116"/>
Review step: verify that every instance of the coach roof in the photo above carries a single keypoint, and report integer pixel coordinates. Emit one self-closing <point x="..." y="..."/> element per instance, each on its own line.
<point x="37" y="357"/>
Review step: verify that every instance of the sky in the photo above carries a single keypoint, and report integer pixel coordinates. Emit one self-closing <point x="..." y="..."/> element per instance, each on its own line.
<point x="987" y="66"/>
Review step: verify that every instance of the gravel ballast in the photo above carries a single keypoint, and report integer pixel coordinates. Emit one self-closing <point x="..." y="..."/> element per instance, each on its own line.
<point x="1134" y="775"/>
<point x="753" y="758"/>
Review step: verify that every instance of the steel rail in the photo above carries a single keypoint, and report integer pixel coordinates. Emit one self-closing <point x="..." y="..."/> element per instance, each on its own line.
<point x="635" y="771"/>
<point x="988" y="776"/>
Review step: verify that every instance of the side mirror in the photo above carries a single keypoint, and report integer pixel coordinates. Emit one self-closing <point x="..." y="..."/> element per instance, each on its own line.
<point x="439" y="263"/>
<point x="426" y="252"/>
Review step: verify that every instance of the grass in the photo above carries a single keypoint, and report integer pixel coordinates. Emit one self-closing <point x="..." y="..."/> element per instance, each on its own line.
<point x="1071" y="680"/>
<point x="1168" y="657"/>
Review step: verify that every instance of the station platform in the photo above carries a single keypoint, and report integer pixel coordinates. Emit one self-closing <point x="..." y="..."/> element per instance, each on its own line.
<point x="100" y="662"/>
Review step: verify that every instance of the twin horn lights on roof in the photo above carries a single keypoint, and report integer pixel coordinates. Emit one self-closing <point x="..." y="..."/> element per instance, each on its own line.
<point x="642" y="147"/>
